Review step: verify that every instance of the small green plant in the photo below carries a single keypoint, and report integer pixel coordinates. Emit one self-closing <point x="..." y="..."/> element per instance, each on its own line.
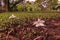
<point x="20" y="7"/>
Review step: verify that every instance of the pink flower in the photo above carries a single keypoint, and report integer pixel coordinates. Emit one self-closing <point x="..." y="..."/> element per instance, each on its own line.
<point x="12" y="16"/>
<point x="39" y="22"/>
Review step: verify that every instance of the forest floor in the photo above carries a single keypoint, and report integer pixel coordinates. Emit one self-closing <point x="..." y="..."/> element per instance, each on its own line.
<point x="28" y="32"/>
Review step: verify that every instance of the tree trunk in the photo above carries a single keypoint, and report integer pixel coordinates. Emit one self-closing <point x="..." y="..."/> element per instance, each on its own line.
<point x="6" y="2"/>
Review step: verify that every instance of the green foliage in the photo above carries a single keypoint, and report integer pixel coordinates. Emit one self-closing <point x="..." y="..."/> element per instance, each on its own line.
<point x="19" y="7"/>
<point x="33" y="7"/>
<point x="52" y="4"/>
<point x="36" y="7"/>
<point x="5" y="16"/>
<point x="10" y="23"/>
<point x="29" y="7"/>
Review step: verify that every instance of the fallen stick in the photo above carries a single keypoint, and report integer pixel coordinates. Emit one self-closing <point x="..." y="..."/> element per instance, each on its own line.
<point x="38" y="37"/>
<point x="9" y="33"/>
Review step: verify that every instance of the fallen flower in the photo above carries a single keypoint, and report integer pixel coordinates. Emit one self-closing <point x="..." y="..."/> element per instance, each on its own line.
<point x="12" y="16"/>
<point x="39" y="23"/>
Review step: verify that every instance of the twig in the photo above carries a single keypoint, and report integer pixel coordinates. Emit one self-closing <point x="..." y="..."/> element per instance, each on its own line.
<point x="38" y="37"/>
<point x="8" y="34"/>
